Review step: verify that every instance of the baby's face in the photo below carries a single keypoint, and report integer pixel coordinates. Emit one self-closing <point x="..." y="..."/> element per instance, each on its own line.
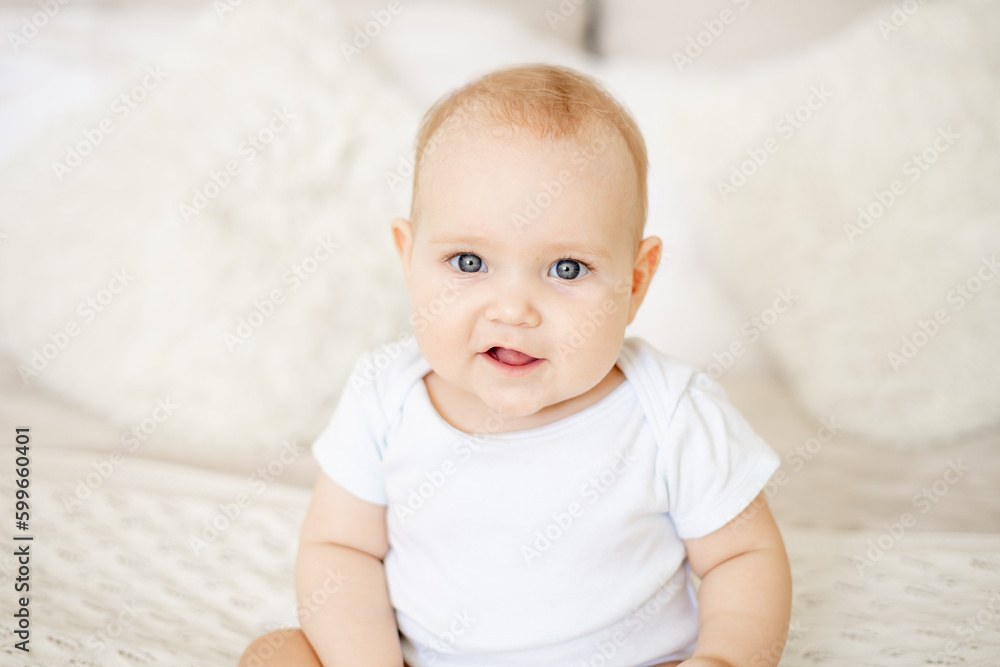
<point x="520" y="266"/>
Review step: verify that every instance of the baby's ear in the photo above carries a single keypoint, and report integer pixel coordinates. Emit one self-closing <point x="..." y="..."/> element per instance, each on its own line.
<point x="402" y="236"/>
<point x="647" y="260"/>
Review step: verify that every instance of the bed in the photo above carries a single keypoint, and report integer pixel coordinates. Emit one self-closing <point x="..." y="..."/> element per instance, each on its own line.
<point x="144" y="556"/>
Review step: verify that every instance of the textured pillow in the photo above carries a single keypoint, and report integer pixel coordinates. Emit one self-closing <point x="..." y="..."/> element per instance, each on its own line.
<point x="698" y="35"/>
<point x="567" y="19"/>
<point x="852" y="197"/>
<point x="203" y="256"/>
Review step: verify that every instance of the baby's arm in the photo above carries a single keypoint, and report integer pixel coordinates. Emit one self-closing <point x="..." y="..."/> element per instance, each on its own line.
<point x="344" y="604"/>
<point x="745" y="597"/>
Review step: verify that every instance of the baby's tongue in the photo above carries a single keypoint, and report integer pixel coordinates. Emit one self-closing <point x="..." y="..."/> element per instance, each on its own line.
<point x="512" y="357"/>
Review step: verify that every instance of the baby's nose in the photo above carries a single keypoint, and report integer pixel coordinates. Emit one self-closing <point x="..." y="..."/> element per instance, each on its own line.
<point x="512" y="305"/>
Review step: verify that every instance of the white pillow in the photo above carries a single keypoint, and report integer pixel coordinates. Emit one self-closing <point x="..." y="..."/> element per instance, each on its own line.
<point x="701" y="35"/>
<point x="569" y="20"/>
<point x="778" y="161"/>
<point x="174" y="290"/>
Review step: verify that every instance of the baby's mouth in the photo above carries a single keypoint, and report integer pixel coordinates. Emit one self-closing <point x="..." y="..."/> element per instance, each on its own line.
<point x="510" y="357"/>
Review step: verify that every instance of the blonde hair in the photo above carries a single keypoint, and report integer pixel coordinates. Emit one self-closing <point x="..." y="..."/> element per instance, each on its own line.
<point x="544" y="100"/>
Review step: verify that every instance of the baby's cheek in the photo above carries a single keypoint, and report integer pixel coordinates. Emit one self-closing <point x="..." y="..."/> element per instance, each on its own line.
<point x="601" y="320"/>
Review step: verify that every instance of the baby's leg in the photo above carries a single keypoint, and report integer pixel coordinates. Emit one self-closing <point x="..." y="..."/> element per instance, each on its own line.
<point x="281" y="648"/>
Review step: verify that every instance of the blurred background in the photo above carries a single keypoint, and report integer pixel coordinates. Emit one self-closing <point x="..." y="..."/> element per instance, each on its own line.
<point x="195" y="201"/>
<point x="820" y="174"/>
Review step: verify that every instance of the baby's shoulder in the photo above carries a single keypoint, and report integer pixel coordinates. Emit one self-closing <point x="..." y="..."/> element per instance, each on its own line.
<point x="665" y="379"/>
<point x="384" y="362"/>
<point x="385" y="374"/>
<point x="683" y="406"/>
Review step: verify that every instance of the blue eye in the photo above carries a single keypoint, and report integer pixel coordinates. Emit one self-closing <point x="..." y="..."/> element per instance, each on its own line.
<point x="468" y="263"/>
<point x="568" y="269"/>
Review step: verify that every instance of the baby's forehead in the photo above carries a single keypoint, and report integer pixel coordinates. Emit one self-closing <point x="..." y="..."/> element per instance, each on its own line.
<point x="473" y="141"/>
<point x="495" y="165"/>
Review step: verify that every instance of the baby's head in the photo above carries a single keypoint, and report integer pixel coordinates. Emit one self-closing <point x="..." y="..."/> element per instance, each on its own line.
<point x="524" y="254"/>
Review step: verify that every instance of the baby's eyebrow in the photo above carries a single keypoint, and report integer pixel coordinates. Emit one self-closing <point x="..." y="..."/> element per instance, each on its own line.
<point x="445" y="239"/>
<point x="578" y="249"/>
<point x="568" y="249"/>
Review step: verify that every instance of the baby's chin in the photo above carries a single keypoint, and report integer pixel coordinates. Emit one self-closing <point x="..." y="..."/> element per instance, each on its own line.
<point x="509" y="405"/>
<point x="514" y="406"/>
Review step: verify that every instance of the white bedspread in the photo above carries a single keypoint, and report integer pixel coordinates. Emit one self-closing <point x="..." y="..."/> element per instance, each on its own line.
<point x="117" y="581"/>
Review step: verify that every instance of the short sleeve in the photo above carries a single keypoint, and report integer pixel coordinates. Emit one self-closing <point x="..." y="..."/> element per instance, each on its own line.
<point x="713" y="463"/>
<point x="351" y="447"/>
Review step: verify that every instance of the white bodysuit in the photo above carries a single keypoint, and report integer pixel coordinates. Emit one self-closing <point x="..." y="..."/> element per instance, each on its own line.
<point x="557" y="545"/>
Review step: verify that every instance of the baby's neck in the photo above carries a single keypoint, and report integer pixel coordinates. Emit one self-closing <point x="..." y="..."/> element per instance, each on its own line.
<point x="465" y="412"/>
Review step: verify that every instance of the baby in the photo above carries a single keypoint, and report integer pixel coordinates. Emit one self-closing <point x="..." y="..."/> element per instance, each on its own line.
<point x="519" y="484"/>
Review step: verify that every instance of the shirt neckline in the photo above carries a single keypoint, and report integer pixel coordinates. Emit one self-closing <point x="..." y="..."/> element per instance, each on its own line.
<point x="569" y="424"/>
